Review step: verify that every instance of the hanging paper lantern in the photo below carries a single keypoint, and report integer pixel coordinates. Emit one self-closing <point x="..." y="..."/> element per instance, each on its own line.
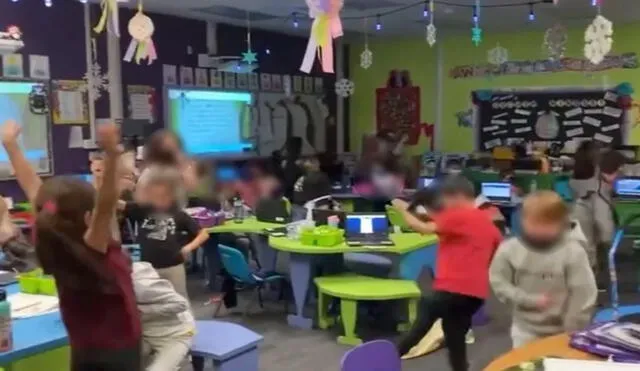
<point x="326" y="27"/>
<point x="141" y="29"/>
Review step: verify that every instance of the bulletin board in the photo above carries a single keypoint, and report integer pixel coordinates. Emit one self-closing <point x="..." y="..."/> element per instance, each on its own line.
<point x="550" y="116"/>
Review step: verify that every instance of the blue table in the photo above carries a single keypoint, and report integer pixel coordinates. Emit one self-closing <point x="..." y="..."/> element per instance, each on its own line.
<point x="39" y="343"/>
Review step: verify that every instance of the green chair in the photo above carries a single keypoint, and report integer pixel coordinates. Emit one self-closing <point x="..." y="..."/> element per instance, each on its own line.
<point x="352" y="288"/>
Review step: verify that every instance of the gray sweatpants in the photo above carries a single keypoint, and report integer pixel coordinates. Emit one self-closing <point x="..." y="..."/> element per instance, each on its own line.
<point x="520" y="337"/>
<point x="177" y="275"/>
<point x="166" y="353"/>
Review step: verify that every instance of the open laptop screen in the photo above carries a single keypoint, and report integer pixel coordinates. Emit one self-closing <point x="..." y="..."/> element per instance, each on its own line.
<point x="627" y="187"/>
<point x="366" y="224"/>
<point x="496" y="190"/>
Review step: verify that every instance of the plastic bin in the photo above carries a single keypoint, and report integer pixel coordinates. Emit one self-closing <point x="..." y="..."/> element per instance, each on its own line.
<point x="36" y="282"/>
<point x="328" y="236"/>
<point x="307" y="236"/>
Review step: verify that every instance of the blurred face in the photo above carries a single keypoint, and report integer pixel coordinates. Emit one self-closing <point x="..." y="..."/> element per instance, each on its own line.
<point x="170" y="144"/>
<point x="160" y="196"/>
<point x="541" y="233"/>
<point x="610" y="178"/>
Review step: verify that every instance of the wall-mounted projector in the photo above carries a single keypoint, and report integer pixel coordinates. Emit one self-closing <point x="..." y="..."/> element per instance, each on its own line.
<point x="11" y="40"/>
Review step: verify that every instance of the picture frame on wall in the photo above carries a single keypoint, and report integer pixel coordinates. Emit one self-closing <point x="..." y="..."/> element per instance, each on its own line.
<point x="229" y="80"/>
<point x="308" y="85"/>
<point x="216" y="79"/>
<point x="276" y="82"/>
<point x="254" y="81"/>
<point x="186" y="76"/>
<point x="170" y="74"/>
<point x="242" y="81"/>
<point x="318" y="85"/>
<point x="265" y="81"/>
<point x="297" y="84"/>
<point x="201" y="77"/>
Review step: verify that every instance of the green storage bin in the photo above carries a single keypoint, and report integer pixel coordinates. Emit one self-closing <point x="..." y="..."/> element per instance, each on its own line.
<point x="328" y="236"/>
<point x="36" y="282"/>
<point x="29" y="285"/>
<point x="48" y="286"/>
<point x="307" y="236"/>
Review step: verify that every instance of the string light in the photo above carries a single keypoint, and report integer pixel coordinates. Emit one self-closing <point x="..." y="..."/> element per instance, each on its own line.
<point x="48" y="3"/>
<point x="83" y="1"/>
<point x="595" y="3"/>
<point x="267" y="51"/>
<point x="14" y="1"/>
<point x="475" y="15"/>
<point x="378" y="23"/>
<point x="425" y="12"/>
<point x="295" y="20"/>
<point x="532" y="14"/>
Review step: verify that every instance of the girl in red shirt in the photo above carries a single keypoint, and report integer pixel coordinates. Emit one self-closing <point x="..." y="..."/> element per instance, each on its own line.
<point x="74" y="244"/>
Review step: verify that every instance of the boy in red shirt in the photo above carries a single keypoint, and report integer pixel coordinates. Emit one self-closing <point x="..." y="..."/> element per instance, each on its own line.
<point x="468" y="239"/>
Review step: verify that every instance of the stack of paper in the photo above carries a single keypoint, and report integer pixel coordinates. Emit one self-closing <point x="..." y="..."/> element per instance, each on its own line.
<point x="28" y="305"/>
<point x="554" y="364"/>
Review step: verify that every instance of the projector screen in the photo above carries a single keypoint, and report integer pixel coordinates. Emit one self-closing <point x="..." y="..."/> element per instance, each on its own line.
<point x="15" y="104"/>
<point x="210" y="121"/>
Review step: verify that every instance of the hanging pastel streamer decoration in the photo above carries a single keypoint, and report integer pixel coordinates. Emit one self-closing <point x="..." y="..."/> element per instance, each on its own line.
<point x="141" y="46"/>
<point x="109" y="13"/>
<point x="326" y="27"/>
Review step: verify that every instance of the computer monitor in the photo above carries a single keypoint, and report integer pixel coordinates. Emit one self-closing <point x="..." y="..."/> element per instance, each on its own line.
<point x="627" y="188"/>
<point x="370" y="223"/>
<point x="425" y="181"/>
<point x="498" y="191"/>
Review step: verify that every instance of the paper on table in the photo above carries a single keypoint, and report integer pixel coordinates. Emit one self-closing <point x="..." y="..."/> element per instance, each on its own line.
<point x="28" y="305"/>
<point x="553" y="364"/>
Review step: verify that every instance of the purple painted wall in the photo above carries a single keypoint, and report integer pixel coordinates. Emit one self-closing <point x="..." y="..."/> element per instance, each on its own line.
<point x="59" y="33"/>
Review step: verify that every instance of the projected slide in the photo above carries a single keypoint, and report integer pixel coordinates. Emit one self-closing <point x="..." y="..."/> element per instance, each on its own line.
<point x="14" y="104"/>
<point x="211" y="122"/>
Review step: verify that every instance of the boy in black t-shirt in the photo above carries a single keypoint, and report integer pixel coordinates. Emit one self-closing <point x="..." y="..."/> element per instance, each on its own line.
<point x="313" y="184"/>
<point x="166" y="234"/>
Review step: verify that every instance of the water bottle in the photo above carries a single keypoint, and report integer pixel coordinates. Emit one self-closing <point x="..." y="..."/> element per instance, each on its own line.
<point x="6" y="331"/>
<point x="533" y="186"/>
<point x="238" y="210"/>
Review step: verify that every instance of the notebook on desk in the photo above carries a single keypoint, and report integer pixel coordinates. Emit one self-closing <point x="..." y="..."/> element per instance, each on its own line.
<point x="371" y="229"/>
<point x="496" y="192"/>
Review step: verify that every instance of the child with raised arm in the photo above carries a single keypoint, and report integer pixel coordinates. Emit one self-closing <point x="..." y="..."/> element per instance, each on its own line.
<point x="75" y="245"/>
<point x="545" y="273"/>
<point x="467" y="241"/>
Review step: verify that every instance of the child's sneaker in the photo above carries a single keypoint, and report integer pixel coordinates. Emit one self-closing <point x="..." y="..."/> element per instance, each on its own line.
<point x="470" y="337"/>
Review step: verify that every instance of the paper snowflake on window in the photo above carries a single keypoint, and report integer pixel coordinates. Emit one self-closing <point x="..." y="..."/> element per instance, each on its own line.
<point x="598" y="39"/>
<point x="498" y="56"/>
<point x="344" y="88"/>
<point x="100" y="82"/>
<point x="431" y="34"/>
<point x="366" y="58"/>
<point x="555" y="42"/>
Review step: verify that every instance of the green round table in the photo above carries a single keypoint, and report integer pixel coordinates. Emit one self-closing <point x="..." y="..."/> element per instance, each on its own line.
<point x="248" y="225"/>
<point x="415" y="252"/>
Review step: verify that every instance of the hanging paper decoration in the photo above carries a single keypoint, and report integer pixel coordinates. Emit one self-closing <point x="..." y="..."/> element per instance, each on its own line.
<point x="598" y="39"/>
<point x="476" y="31"/>
<point x="326" y="27"/>
<point x="555" y="42"/>
<point x="498" y="55"/>
<point x="344" y="88"/>
<point x="431" y="29"/>
<point x="109" y="12"/>
<point x="366" y="57"/>
<point x="94" y="79"/>
<point x="249" y="57"/>
<point x="141" y="29"/>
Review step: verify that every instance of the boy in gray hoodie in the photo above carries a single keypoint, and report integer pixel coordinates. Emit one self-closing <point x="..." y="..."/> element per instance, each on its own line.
<point x="544" y="274"/>
<point x="167" y="323"/>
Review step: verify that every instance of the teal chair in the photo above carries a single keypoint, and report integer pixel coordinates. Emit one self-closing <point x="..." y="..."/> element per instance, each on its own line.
<point x="237" y="267"/>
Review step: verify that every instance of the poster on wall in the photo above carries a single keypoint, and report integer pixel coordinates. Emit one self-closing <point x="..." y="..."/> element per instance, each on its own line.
<point x="318" y="85"/>
<point x="12" y="66"/>
<point x="308" y="84"/>
<point x="39" y="67"/>
<point x="141" y="99"/>
<point x="69" y="102"/>
<point x="186" y="76"/>
<point x="254" y="81"/>
<point x="265" y="82"/>
<point x="548" y="117"/>
<point x="276" y="82"/>
<point x="201" y="77"/>
<point x="297" y="84"/>
<point x="216" y="79"/>
<point x="229" y="80"/>
<point x="242" y="81"/>
<point x="398" y="110"/>
<point x="170" y="74"/>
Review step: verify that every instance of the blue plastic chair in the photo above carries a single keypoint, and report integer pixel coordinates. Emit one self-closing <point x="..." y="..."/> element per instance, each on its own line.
<point x="237" y="267"/>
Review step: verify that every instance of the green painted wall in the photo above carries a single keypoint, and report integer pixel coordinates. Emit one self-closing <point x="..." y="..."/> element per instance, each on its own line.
<point x="416" y="56"/>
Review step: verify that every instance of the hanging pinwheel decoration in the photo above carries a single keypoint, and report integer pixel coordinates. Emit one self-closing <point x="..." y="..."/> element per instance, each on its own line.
<point x="141" y="46"/>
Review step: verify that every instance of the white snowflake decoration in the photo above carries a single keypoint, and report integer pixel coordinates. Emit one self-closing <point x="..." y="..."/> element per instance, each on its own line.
<point x="99" y="81"/>
<point x="498" y="55"/>
<point x="344" y="88"/>
<point x="366" y="58"/>
<point x="598" y="39"/>
<point x="555" y="42"/>
<point x="431" y="34"/>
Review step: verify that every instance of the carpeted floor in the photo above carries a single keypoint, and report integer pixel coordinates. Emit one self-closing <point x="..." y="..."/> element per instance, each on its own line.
<point x="288" y="349"/>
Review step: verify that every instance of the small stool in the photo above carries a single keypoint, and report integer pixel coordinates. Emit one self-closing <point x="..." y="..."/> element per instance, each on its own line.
<point x="350" y="289"/>
<point x="230" y="346"/>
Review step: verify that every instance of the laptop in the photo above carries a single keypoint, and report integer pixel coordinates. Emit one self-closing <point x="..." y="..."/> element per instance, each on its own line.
<point x="627" y="188"/>
<point x="273" y="211"/>
<point x="497" y="192"/>
<point x="424" y="182"/>
<point x="371" y="229"/>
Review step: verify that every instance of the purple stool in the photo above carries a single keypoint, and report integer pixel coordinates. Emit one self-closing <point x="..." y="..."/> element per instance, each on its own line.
<point x="480" y="318"/>
<point x="377" y="355"/>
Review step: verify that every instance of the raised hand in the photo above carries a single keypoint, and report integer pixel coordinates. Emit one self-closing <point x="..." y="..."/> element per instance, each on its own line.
<point x="10" y="131"/>
<point x="109" y="138"/>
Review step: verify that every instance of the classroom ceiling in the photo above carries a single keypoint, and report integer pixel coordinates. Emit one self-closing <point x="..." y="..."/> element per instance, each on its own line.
<point x="450" y="15"/>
